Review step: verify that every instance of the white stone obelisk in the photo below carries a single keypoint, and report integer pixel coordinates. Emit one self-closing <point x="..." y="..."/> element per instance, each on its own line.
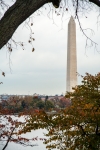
<point x="71" y="56"/>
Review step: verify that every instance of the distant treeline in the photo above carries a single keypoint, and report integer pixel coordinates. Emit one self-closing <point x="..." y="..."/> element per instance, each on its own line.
<point x="17" y="105"/>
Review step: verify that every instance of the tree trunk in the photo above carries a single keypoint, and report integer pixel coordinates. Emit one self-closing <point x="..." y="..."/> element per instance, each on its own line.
<point x="15" y="15"/>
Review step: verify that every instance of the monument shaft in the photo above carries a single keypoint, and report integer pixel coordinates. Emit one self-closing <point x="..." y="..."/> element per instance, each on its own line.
<point x="71" y="56"/>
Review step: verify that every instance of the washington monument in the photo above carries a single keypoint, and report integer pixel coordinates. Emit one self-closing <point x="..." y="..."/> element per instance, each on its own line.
<point x="71" y="56"/>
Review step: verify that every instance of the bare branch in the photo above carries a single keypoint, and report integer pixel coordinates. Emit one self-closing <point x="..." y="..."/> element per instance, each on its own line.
<point x="9" y="138"/>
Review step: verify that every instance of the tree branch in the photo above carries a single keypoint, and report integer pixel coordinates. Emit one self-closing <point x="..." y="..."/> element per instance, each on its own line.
<point x="9" y="137"/>
<point x="15" y="15"/>
<point x="97" y="133"/>
<point x="97" y="2"/>
<point x="82" y="130"/>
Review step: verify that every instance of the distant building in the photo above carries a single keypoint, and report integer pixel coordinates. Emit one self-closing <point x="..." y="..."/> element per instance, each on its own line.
<point x="4" y="97"/>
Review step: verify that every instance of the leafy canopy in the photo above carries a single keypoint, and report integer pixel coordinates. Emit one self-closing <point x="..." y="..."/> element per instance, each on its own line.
<point x="77" y="126"/>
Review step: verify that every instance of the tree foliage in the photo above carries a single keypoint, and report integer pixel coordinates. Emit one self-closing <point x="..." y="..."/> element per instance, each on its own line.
<point x="77" y="126"/>
<point x="13" y="116"/>
<point x="9" y="129"/>
<point x="17" y="104"/>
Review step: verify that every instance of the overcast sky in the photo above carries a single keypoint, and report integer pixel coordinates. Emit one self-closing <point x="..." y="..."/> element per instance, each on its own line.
<point x="44" y="70"/>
